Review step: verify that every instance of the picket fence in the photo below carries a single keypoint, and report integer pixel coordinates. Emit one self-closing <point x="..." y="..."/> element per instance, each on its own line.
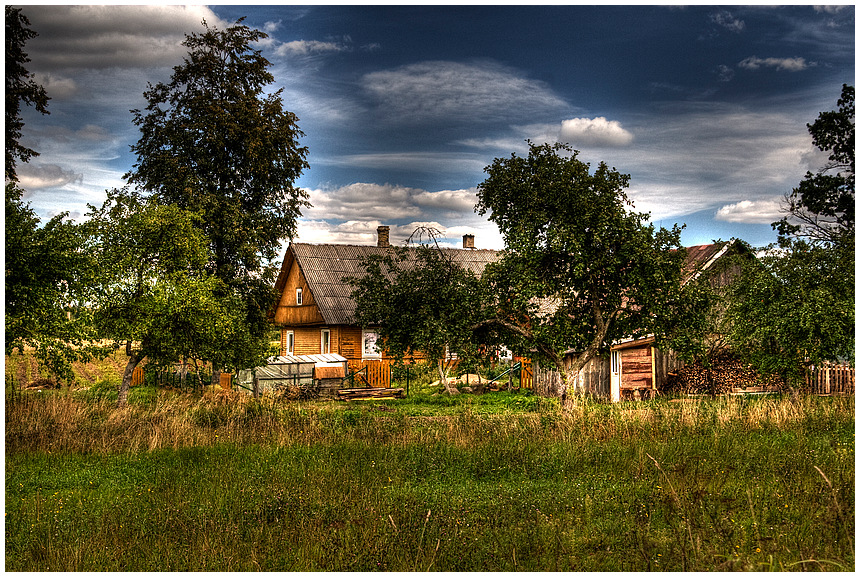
<point x="831" y="379"/>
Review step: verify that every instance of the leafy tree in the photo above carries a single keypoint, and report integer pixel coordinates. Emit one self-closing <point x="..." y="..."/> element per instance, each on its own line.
<point x="794" y="309"/>
<point x="154" y="296"/>
<point x="579" y="270"/>
<point x="47" y="276"/>
<point x="215" y="143"/>
<point x="421" y="301"/>
<point x="20" y="87"/>
<point x="821" y="209"/>
<point x="797" y="308"/>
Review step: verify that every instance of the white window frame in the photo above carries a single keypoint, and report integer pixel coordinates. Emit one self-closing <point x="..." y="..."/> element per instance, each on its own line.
<point x="299" y="299"/>
<point x="615" y="361"/>
<point x="290" y="343"/>
<point x="325" y="341"/>
<point x="375" y="353"/>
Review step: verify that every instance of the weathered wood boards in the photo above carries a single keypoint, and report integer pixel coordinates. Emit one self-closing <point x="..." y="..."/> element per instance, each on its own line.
<point x="370" y="393"/>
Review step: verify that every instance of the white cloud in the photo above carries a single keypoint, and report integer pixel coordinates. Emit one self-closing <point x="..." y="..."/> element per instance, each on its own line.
<point x="790" y="64"/>
<point x="763" y="211"/>
<point x="725" y="19"/>
<point x="417" y="161"/>
<point x="454" y="91"/>
<point x="594" y="132"/>
<point x="306" y="47"/>
<point x="57" y="87"/>
<point x="725" y="73"/>
<point x="101" y="37"/>
<point x="363" y="232"/>
<point x="271" y="26"/>
<point x="366" y="201"/>
<point x="832" y="8"/>
<point x="36" y="176"/>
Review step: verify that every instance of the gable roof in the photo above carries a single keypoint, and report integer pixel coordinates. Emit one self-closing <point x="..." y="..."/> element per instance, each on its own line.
<point x="324" y="266"/>
<point x="702" y="257"/>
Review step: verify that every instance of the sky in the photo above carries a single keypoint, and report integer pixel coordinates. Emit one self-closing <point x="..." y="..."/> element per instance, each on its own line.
<point x="403" y="107"/>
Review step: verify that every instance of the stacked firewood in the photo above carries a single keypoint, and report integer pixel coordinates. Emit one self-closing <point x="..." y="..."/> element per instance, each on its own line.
<point x="725" y="375"/>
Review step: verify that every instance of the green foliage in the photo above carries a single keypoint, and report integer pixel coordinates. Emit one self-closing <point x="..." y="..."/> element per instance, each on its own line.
<point x="48" y="276"/>
<point x="155" y="296"/>
<point x="797" y="308"/>
<point x="422" y="302"/>
<point x="821" y="208"/>
<point x="579" y="270"/>
<point x="213" y="142"/>
<point x="20" y="87"/>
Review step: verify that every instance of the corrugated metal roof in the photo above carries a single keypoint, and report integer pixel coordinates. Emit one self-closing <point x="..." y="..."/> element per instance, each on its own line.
<point x="324" y="267"/>
<point x="301" y="359"/>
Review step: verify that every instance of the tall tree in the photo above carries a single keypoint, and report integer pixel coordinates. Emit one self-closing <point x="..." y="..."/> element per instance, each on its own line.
<point x="821" y="209"/>
<point x="20" y="87"/>
<point x="215" y="143"/>
<point x="579" y="269"/>
<point x="796" y="309"/>
<point x="153" y="295"/>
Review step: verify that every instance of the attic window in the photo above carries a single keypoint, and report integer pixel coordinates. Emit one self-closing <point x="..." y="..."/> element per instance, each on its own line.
<point x="299" y="296"/>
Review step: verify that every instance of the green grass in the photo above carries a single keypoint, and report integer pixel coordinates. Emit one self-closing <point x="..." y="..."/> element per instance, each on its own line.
<point x="500" y="482"/>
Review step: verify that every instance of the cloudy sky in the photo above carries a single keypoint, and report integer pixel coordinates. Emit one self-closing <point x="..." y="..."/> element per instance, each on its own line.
<point x="402" y="107"/>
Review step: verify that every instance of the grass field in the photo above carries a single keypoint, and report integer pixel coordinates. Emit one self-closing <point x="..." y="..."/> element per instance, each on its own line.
<point x="498" y="482"/>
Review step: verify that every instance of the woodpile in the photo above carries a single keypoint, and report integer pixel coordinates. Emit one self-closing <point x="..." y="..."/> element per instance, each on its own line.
<point x="727" y="374"/>
<point x="370" y="393"/>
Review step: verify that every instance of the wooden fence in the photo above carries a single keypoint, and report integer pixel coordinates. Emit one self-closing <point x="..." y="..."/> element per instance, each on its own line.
<point x="592" y="379"/>
<point x="831" y="379"/>
<point x="371" y="372"/>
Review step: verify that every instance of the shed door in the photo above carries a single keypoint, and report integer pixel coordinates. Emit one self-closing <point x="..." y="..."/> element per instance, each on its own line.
<point x="636" y="368"/>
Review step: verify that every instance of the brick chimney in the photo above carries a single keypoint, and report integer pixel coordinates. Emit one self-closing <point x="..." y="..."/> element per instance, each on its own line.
<point x="469" y="241"/>
<point x="382" y="237"/>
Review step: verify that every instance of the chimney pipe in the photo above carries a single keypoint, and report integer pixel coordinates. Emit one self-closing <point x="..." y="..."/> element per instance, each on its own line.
<point x="382" y="237"/>
<point x="469" y="241"/>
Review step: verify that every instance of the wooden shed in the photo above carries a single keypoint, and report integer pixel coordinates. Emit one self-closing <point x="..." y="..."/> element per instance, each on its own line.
<point x="637" y="368"/>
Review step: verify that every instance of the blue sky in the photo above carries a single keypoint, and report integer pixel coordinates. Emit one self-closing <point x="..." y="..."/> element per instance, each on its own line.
<point x="402" y="107"/>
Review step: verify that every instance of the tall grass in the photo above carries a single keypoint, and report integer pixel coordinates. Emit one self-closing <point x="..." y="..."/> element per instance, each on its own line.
<point x="221" y="482"/>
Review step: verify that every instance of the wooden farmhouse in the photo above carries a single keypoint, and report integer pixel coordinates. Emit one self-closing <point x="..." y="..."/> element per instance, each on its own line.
<point x="637" y="368"/>
<point x="316" y="311"/>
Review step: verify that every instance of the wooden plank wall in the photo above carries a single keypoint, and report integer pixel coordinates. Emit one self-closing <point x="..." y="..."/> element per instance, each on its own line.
<point x="636" y="368"/>
<point x="592" y="379"/>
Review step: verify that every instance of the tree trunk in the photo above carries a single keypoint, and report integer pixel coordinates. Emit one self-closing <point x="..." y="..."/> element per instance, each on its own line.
<point x="443" y="375"/>
<point x="134" y="359"/>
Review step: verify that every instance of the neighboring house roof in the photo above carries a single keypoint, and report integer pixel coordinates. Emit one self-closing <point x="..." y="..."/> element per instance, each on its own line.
<point x="324" y="266"/>
<point x="702" y="257"/>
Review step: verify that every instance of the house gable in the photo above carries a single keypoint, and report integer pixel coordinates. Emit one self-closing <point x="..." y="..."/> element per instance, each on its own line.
<point x="288" y="310"/>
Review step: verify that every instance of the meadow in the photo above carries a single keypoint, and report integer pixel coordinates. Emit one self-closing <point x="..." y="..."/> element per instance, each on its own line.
<point x="504" y="481"/>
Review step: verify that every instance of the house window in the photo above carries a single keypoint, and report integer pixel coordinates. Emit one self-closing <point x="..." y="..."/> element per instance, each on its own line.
<point x="368" y="345"/>
<point x="290" y="345"/>
<point x="615" y="361"/>
<point x="299" y="296"/>
<point x="325" y="341"/>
